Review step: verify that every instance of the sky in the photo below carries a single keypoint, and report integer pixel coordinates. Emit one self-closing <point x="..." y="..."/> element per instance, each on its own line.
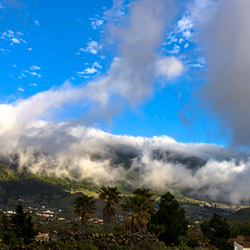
<point x="163" y="83"/>
<point x="44" y="44"/>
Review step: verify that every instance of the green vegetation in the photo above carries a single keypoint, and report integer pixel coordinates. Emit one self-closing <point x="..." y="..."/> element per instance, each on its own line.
<point x="84" y="208"/>
<point x="125" y="213"/>
<point x="217" y="230"/>
<point x="139" y="208"/>
<point x="169" y="222"/>
<point x="111" y="196"/>
<point x="17" y="228"/>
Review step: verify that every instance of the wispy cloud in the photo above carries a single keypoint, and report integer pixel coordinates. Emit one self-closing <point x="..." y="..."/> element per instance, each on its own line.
<point x="13" y="37"/>
<point x="36" y="22"/>
<point x="87" y="71"/>
<point x="5" y="51"/>
<point x="92" y="47"/>
<point x="97" y="65"/>
<point x="21" y="89"/>
<point x="34" y="68"/>
<point x="96" y="22"/>
<point x="33" y="73"/>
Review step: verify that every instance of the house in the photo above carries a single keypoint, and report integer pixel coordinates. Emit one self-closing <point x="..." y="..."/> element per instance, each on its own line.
<point x="47" y="237"/>
<point x="42" y="237"/>
<point x="241" y="245"/>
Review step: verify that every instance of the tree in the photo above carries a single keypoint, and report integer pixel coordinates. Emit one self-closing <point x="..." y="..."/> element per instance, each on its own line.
<point x="139" y="208"/>
<point x="172" y="216"/>
<point x="217" y="229"/>
<point x="111" y="196"/>
<point x="21" y="224"/>
<point x="85" y="207"/>
<point x="148" y="195"/>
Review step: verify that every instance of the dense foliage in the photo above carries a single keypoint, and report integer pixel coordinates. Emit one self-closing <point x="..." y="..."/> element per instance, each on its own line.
<point x="111" y="196"/>
<point x="85" y="207"/>
<point x="169" y="221"/>
<point x="18" y="227"/>
<point x="217" y="229"/>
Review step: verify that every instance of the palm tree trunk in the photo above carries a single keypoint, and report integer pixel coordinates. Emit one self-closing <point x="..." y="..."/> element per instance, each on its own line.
<point x="83" y="222"/>
<point x="109" y="218"/>
<point x="133" y="223"/>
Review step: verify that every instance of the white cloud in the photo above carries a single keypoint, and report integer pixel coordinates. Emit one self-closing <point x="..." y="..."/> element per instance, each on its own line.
<point x="181" y="40"/>
<point x="36" y="22"/>
<point x="169" y="67"/>
<point x="87" y="71"/>
<point x="32" y="72"/>
<point x="33" y="68"/>
<point x="14" y="38"/>
<point x="21" y="89"/>
<point x="92" y="47"/>
<point x="187" y="34"/>
<point x="33" y="84"/>
<point x="185" y="24"/>
<point x="29" y="49"/>
<point x="175" y="50"/>
<point x="161" y="162"/>
<point x="90" y="70"/>
<point x="97" y="65"/>
<point x="5" y="51"/>
<point x="96" y="23"/>
<point x="196" y="65"/>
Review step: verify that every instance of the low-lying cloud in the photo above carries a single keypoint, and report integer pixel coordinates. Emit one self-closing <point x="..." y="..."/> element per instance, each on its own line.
<point x="78" y="152"/>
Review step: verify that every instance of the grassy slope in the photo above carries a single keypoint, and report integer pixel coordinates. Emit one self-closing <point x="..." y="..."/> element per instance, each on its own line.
<point x="54" y="192"/>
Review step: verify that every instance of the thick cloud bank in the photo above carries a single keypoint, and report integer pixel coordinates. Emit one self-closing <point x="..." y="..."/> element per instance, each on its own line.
<point x="78" y="152"/>
<point x="226" y="40"/>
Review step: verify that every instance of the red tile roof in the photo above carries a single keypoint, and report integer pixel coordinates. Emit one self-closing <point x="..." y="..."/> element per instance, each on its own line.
<point x="244" y="243"/>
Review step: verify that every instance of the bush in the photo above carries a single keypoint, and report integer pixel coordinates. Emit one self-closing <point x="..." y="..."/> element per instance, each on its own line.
<point x="113" y="247"/>
<point x="86" y="245"/>
<point x="10" y="239"/>
<point x="64" y="246"/>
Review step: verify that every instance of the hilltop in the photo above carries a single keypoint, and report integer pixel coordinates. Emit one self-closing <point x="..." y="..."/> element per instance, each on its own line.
<point x="42" y="190"/>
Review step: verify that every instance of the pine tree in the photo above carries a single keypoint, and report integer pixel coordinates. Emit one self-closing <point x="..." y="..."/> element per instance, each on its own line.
<point x="171" y="216"/>
<point x="21" y="224"/>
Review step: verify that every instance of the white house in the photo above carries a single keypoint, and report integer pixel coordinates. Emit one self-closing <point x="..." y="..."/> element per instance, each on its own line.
<point x="241" y="245"/>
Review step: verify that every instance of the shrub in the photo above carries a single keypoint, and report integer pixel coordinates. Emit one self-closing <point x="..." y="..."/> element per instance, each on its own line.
<point x="86" y="245"/>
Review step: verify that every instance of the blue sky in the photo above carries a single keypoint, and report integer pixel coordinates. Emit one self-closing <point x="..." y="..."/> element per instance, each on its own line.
<point x="145" y="78"/>
<point x="47" y="43"/>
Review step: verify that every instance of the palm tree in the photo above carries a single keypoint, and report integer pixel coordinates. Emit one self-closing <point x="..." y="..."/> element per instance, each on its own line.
<point x="144" y="192"/>
<point x="85" y="207"/>
<point x="148" y="195"/>
<point x="111" y="196"/>
<point x="139" y="208"/>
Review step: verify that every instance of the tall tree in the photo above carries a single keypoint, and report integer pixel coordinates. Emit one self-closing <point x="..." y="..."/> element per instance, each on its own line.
<point x="21" y="224"/>
<point x="172" y="216"/>
<point x="139" y="208"/>
<point x="85" y="207"/>
<point x="111" y="196"/>
<point x="149" y="197"/>
<point x="217" y="229"/>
